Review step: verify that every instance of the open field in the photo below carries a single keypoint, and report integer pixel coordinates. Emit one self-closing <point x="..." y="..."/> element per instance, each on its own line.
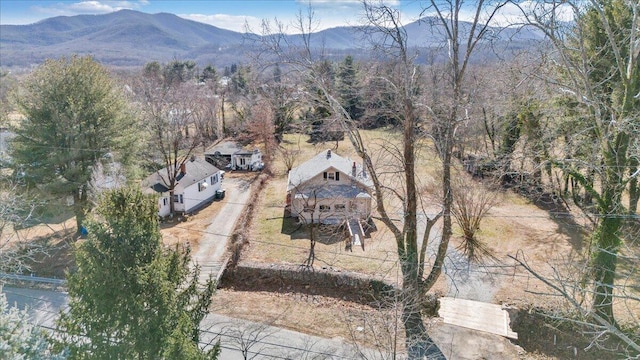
<point x="514" y="225"/>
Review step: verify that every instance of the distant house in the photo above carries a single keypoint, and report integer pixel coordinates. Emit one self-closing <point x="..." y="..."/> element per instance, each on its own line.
<point x="197" y="182"/>
<point x="329" y="189"/>
<point x="232" y="155"/>
<point x="247" y="160"/>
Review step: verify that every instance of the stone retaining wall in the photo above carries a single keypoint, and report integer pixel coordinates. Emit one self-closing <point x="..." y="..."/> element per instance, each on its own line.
<point x="344" y="285"/>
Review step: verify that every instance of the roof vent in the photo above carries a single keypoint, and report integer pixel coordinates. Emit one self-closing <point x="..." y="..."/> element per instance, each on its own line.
<point x="328" y="153"/>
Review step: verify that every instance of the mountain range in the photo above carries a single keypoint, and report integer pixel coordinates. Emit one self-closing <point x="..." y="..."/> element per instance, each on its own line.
<point x="132" y="38"/>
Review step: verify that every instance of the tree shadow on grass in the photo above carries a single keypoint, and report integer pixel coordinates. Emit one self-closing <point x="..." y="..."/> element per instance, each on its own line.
<point x="325" y="234"/>
<point x="559" y="213"/>
<point x="48" y="213"/>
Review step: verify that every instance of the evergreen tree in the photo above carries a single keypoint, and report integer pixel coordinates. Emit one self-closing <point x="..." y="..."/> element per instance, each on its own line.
<point x="131" y="298"/>
<point x="349" y="89"/>
<point x="209" y="73"/>
<point x="74" y="118"/>
<point x="19" y="339"/>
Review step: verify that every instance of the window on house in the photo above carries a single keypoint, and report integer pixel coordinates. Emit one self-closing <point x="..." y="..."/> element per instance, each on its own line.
<point x="202" y="186"/>
<point x="331" y="176"/>
<point x="243" y="161"/>
<point x="165" y="201"/>
<point x="214" y="179"/>
<point x="325" y="208"/>
<point x="178" y="198"/>
<point x="339" y="208"/>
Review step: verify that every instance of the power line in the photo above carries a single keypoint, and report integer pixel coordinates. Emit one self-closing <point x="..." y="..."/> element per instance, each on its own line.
<point x="239" y="337"/>
<point x="338" y="253"/>
<point x="202" y="331"/>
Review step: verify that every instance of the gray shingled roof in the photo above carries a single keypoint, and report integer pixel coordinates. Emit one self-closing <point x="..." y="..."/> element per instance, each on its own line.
<point x="330" y="192"/>
<point x="320" y="163"/>
<point x="196" y="170"/>
<point x="225" y="148"/>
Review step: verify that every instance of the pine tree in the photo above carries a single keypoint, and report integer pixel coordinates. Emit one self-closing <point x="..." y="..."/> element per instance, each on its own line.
<point x="74" y="118"/>
<point x="131" y="298"/>
<point x="349" y="89"/>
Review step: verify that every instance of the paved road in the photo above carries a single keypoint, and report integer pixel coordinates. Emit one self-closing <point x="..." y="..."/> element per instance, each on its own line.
<point x="212" y="249"/>
<point x="259" y="341"/>
<point x="43" y="305"/>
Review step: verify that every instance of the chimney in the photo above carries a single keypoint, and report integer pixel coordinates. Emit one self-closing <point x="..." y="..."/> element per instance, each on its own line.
<point x="329" y="154"/>
<point x="183" y="168"/>
<point x="353" y="169"/>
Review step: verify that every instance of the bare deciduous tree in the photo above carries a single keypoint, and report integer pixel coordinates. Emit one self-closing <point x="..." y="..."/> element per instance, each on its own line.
<point x="262" y="129"/>
<point x="248" y="339"/>
<point x="16" y="212"/>
<point x="289" y="156"/>
<point x="168" y="116"/>
<point x="471" y="203"/>
<point x="206" y="110"/>
<point x="567" y="280"/>
<point x="405" y="80"/>
<point x="597" y="57"/>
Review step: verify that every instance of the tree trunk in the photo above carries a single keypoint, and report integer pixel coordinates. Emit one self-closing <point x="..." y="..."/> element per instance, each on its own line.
<point x="172" y="205"/>
<point x="80" y="205"/>
<point x="634" y="194"/>
<point x="224" y="125"/>
<point x="418" y="343"/>
<point x="605" y="267"/>
<point x="312" y="243"/>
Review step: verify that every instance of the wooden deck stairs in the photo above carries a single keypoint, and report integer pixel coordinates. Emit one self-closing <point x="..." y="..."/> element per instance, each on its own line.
<point x="476" y="315"/>
<point x="356" y="233"/>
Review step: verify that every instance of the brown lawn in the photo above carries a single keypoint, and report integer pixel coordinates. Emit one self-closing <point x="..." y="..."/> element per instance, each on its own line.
<point x="514" y="227"/>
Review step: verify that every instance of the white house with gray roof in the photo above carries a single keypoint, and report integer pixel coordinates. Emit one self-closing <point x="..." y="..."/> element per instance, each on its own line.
<point x="197" y="183"/>
<point x="235" y="156"/>
<point x="329" y="189"/>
